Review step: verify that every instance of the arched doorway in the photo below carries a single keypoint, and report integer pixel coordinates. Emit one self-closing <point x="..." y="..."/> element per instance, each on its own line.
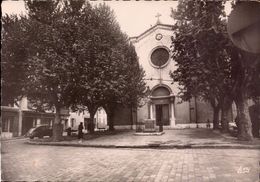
<point x="100" y="119"/>
<point x="162" y="106"/>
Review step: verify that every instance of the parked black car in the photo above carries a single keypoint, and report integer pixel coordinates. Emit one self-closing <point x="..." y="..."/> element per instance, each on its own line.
<point x="39" y="132"/>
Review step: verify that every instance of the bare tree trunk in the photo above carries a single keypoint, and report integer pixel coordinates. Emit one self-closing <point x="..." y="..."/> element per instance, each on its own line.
<point x="224" y="120"/>
<point x="20" y="121"/>
<point x="246" y="69"/>
<point x="254" y="112"/>
<point x="110" y="122"/>
<point x="225" y="109"/>
<point x="245" y="132"/>
<point x="110" y="113"/>
<point x="237" y="119"/>
<point x="91" y="125"/>
<point x="216" y="118"/>
<point x="57" y="126"/>
<point x="92" y="108"/>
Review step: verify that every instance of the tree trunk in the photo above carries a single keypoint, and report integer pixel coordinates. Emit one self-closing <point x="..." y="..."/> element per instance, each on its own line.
<point x="110" y="121"/>
<point x="254" y="112"/>
<point x="245" y="125"/>
<point x="237" y="119"/>
<point x="20" y="121"/>
<point x="91" y="125"/>
<point x="215" y="118"/>
<point x="225" y="109"/>
<point x="57" y="127"/>
<point x="224" y="120"/>
<point x="110" y="114"/>
<point x="245" y="78"/>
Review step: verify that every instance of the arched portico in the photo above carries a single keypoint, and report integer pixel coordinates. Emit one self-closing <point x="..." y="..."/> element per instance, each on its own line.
<point x="161" y="105"/>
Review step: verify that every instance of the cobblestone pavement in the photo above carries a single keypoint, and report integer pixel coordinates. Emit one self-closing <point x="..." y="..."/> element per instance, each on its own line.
<point x="29" y="163"/>
<point x="171" y="137"/>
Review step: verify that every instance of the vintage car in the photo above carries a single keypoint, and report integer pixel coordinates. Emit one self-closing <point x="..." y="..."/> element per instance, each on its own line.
<point x="40" y="132"/>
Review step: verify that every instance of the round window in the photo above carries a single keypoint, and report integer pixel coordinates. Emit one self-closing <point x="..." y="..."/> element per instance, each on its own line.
<point x="160" y="57"/>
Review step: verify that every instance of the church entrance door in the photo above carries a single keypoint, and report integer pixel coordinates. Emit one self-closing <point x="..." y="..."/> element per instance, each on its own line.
<point x="162" y="114"/>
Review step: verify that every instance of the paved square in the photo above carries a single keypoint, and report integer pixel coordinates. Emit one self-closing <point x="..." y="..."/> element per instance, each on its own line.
<point x="30" y="163"/>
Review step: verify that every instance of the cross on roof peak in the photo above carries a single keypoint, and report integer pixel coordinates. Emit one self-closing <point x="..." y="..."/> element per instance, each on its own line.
<point x="158" y="18"/>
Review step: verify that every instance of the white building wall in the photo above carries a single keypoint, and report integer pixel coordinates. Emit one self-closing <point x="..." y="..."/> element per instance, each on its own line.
<point x="145" y="44"/>
<point x="78" y="117"/>
<point x="144" y="48"/>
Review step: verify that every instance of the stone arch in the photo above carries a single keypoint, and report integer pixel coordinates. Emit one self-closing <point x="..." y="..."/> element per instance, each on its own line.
<point x="161" y="90"/>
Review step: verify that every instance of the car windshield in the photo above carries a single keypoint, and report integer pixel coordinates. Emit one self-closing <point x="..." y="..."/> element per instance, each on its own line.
<point x="43" y="127"/>
<point x="31" y="130"/>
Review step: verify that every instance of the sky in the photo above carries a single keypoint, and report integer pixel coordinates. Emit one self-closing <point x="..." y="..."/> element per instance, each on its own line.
<point x="134" y="17"/>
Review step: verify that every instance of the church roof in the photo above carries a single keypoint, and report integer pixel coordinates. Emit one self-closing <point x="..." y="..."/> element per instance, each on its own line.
<point x="150" y="30"/>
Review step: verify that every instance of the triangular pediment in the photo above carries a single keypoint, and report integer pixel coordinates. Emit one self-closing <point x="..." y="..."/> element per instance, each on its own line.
<point x="150" y="31"/>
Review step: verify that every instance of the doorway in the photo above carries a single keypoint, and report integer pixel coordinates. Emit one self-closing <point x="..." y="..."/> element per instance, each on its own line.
<point x="27" y="124"/>
<point x="162" y="114"/>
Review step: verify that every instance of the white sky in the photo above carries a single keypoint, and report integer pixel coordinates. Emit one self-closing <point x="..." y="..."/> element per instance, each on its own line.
<point x="134" y="17"/>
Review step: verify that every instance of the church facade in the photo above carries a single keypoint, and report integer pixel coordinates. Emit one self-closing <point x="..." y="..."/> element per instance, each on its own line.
<point x="162" y="102"/>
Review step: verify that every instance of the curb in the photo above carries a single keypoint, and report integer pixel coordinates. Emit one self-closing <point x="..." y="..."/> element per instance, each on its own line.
<point x="149" y="146"/>
<point x="149" y="134"/>
<point x="13" y="139"/>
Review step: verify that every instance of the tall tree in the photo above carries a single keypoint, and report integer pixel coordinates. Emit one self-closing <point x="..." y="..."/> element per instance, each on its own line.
<point x="246" y="72"/>
<point x="247" y="75"/>
<point x="50" y="62"/>
<point x="110" y="67"/>
<point x="200" y="50"/>
<point x="14" y="56"/>
<point x="77" y="57"/>
<point x="128" y="85"/>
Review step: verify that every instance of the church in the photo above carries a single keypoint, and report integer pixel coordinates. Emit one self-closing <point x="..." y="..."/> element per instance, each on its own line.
<point x="162" y="102"/>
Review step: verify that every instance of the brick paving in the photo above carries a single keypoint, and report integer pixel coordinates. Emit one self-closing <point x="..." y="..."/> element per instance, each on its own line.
<point x="171" y="138"/>
<point x="23" y="162"/>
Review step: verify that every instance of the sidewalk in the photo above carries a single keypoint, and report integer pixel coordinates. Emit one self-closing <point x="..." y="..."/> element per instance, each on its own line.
<point x="179" y="138"/>
<point x="13" y="138"/>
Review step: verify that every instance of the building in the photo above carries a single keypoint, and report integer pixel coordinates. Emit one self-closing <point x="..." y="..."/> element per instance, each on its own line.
<point x="75" y="118"/>
<point x="10" y="122"/>
<point x="16" y="121"/>
<point x="162" y="102"/>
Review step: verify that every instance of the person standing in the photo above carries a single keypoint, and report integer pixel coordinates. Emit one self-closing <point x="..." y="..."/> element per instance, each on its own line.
<point x="80" y="132"/>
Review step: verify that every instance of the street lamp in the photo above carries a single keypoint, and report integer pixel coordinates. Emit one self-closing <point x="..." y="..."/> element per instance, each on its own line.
<point x="244" y="26"/>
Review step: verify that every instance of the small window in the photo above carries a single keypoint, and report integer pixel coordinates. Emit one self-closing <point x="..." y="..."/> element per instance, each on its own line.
<point x="73" y="122"/>
<point x="5" y="125"/>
